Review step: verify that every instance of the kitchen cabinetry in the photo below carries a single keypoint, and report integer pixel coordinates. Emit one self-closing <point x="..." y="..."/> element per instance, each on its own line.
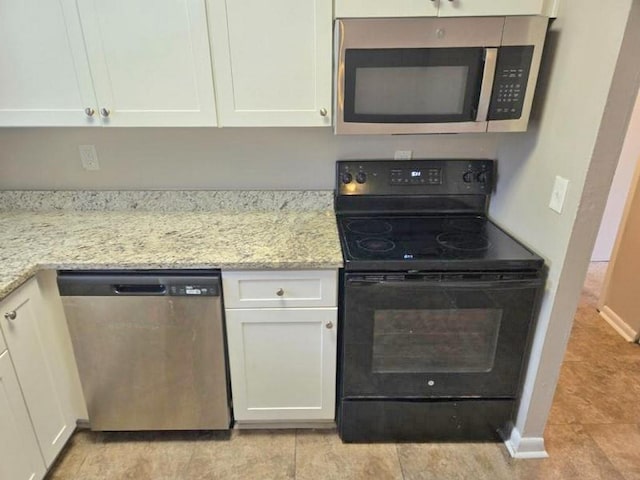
<point x="105" y="63"/>
<point x="282" y="334"/>
<point x="38" y="365"/>
<point x="272" y="61"/>
<point x="20" y="457"/>
<point x="44" y="74"/>
<point x="442" y="8"/>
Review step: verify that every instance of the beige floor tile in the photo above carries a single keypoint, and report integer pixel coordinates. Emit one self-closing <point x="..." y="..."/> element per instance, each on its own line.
<point x="454" y="461"/>
<point x="573" y="455"/>
<point x="321" y="455"/>
<point x="595" y="392"/>
<point x="161" y="456"/>
<point x="248" y="455"/>
<point x="621" y="444"/>
<point x="81" y="445"/>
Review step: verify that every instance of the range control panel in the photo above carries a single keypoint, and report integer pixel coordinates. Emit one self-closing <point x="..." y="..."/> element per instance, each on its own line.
<point x="415" y="177"/>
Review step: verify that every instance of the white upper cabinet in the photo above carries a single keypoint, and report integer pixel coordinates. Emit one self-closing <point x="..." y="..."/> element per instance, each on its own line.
<point x="116" y="62"/>
<point x="44" y="74"/>
<point x="272" y="61"/>
<point x="442" y="8"/>
<point x="150" y="61"/>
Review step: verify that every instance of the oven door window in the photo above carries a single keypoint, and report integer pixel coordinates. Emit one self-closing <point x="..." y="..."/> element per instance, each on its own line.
<point x="435" y="339"/>
<point x="438" y="340"/>
<point x="413" y="85"/>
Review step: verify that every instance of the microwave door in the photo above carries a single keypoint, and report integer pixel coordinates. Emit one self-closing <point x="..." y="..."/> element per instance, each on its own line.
<point x="415" y="90"/>
<point x="490" y="60"/>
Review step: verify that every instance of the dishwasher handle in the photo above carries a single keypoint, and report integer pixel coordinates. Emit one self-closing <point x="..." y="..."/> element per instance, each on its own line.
<point x="141" y="289"/>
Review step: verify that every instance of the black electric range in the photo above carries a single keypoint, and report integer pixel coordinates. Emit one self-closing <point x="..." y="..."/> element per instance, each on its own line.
<point x="423" y="215"/>
<point x="437" y="303"/>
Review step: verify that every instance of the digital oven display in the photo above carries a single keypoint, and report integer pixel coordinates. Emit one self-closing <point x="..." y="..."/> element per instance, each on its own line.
<point x="416" y="176"/>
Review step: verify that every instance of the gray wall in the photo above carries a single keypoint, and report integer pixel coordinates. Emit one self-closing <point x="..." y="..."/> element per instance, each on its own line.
<point x="205" y="158"/>
<point x="576" y="137"/>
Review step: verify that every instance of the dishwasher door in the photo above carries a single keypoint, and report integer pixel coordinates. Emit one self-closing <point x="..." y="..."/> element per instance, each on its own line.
<point x="150" y="349"/>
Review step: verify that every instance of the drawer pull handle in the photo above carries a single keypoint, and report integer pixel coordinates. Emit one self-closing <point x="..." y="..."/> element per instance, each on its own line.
<point x="12" y="315"/>
<point x="280" y="292"/>
<point x="329" y="325"/>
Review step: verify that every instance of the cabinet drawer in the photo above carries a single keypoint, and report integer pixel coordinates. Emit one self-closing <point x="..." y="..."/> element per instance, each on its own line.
<point x="276" y="289"/>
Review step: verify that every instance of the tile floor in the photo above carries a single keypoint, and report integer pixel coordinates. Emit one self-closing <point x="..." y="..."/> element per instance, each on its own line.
<point x="593" y="433"/>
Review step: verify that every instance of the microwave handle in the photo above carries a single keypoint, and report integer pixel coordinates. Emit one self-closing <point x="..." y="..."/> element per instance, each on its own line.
<point x="490" y="60"/>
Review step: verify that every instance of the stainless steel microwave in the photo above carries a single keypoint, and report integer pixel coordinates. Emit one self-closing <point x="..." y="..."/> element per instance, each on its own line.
<point x="436" y="75"/>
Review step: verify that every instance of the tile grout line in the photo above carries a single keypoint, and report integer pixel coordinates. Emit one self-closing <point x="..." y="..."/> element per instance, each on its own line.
<point x="399" y="462"/>
<point x="613" y="465"/>
<point x="295" y="454"/>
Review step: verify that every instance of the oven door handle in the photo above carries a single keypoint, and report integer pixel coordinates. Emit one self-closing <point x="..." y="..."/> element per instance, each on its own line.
<point x="490" y="62"/>
<point x="506" y="283"/>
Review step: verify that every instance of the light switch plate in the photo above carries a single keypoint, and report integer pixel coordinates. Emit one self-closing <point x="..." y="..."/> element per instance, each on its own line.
<point x="89" y="157"/>
<point x="558" y="194"/>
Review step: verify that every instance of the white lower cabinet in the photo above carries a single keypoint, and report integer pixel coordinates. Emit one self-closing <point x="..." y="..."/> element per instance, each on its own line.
<point x="39" y="368"/>
<point x="282" y="360"/>
<point x="282" y="363"/>
<point x="20" y="457"/>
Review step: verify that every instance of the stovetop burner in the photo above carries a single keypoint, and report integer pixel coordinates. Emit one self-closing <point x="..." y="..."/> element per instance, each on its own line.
<point x="379" y="245"/>
<point x="370" y="226"/>
<point x="466" y="241"/>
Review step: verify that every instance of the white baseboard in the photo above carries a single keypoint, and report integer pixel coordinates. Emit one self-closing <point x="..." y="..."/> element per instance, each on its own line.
<point x="619" y="325"/>
<point x="527" y="447"/>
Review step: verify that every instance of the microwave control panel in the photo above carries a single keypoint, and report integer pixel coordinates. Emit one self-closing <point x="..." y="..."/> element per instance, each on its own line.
<point x="510" y="83"/>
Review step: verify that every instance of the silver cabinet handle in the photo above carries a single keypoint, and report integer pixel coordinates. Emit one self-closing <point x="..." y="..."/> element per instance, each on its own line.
<point x="329" y="325"/>
<point x="280" y="292"/>
<point x="105" y="112"/>
<point x="12" y="315"/>
<point x="89" y="111"/>
<point x="323" y="112"/>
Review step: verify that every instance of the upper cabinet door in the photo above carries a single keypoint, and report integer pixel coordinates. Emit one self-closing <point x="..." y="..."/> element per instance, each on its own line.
<point x="272" y="61"/>
<point x="386" y="8"/>
<point x="150" y="61"/>
<point x="469" y="8"/>
<point x="44" y="74"/>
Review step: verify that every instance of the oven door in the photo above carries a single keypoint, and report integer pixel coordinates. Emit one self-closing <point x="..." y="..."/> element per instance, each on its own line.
<point x="435" y="336"/>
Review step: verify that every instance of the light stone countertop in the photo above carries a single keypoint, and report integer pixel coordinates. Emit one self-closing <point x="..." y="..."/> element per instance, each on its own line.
<point x="229" y="240"/>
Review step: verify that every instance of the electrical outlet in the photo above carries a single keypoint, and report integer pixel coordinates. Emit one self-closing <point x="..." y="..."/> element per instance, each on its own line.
<point x="558" y="194"/>
<point x="89" y="157"/>
<point x="402" y="155"/>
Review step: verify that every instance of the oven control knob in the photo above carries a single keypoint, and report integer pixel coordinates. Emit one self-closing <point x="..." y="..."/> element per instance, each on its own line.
<point x="361" y="177"/>
<point x="482" y="177"/>
<point x="347" y="178"/>
<point x="467" y="177"/>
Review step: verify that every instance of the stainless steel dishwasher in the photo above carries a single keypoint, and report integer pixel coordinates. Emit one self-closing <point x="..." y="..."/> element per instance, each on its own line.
<point x="149" y="347"/>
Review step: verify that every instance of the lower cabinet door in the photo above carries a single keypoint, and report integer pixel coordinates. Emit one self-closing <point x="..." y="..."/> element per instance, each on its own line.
<point x="24" y="323"/>
<point x="282" y="363"/>
<point x="20" y="457"/>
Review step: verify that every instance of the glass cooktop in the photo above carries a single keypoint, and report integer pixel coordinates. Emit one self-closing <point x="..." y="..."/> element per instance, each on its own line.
<point x="430" y="243"/>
